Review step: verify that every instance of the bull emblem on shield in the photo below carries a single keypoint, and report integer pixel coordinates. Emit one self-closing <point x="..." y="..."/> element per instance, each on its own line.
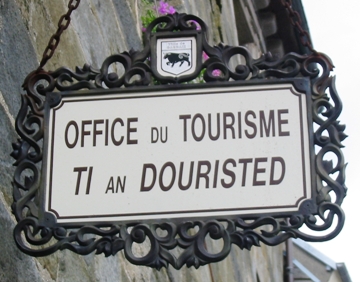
<point x="174" y="58"/>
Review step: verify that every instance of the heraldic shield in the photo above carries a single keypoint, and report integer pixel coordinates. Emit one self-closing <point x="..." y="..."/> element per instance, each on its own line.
<point x="176" y="55"/>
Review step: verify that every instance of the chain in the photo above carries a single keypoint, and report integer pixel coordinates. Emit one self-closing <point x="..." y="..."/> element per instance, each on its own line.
<point x="296" y="22"/>
<point x="63" y="24"/>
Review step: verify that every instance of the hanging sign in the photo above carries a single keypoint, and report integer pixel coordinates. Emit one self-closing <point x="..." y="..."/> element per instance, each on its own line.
<point x="180" y="143"/>
<point x="214" y="151"/>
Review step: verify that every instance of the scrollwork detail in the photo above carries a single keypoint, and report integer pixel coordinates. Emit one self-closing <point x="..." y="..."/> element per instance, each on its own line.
<point x="189" y="237"/>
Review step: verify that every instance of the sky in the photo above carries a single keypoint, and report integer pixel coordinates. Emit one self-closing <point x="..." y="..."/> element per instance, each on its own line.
<point x="334" y="28"/>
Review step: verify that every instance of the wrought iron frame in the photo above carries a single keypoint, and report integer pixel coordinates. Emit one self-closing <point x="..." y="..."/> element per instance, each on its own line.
<point x="37" y="239"/>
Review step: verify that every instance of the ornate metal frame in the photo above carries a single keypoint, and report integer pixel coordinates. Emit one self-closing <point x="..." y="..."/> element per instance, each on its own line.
<point x="42" y="240"/>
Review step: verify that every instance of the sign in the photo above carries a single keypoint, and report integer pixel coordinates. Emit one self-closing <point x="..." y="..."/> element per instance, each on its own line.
<point x="182" y="144"/>
<point x="219" y="151"/>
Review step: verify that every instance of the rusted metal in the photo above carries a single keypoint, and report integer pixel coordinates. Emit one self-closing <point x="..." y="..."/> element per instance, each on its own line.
<point x="54" y="41"/>
<point x="295" y="20"/>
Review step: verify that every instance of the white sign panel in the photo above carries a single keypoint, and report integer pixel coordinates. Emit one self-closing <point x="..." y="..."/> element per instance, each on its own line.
<point x="190" y="153"/>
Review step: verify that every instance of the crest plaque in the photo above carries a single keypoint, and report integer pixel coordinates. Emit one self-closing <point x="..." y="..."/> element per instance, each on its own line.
<point x="176" y="56"/>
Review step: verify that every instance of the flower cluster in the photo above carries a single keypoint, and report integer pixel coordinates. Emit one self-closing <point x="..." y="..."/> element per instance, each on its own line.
<point x="216" y="72"/>
<point x="153" y="11"/>
<point x="164" y="8"/>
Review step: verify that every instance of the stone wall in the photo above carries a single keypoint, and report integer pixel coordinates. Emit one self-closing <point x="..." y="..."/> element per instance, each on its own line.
<point x="98" y="29"/>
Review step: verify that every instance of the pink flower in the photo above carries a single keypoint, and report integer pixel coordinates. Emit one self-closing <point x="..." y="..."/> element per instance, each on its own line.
<point x="198" y="27"/>
<point x="164" y="8"/>
<point x="143" y="29"/>
<point x="172" y="10"/>
<point x="216" y="72"/>
<point x="205" y="56"/>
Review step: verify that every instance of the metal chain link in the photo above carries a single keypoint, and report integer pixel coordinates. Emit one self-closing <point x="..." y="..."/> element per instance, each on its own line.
<point x="296" y="22"/>
<point x="63" y="24"/>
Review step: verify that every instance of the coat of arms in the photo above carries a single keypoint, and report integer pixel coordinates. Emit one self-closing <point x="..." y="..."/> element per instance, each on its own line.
<point x="176" y="56"/>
